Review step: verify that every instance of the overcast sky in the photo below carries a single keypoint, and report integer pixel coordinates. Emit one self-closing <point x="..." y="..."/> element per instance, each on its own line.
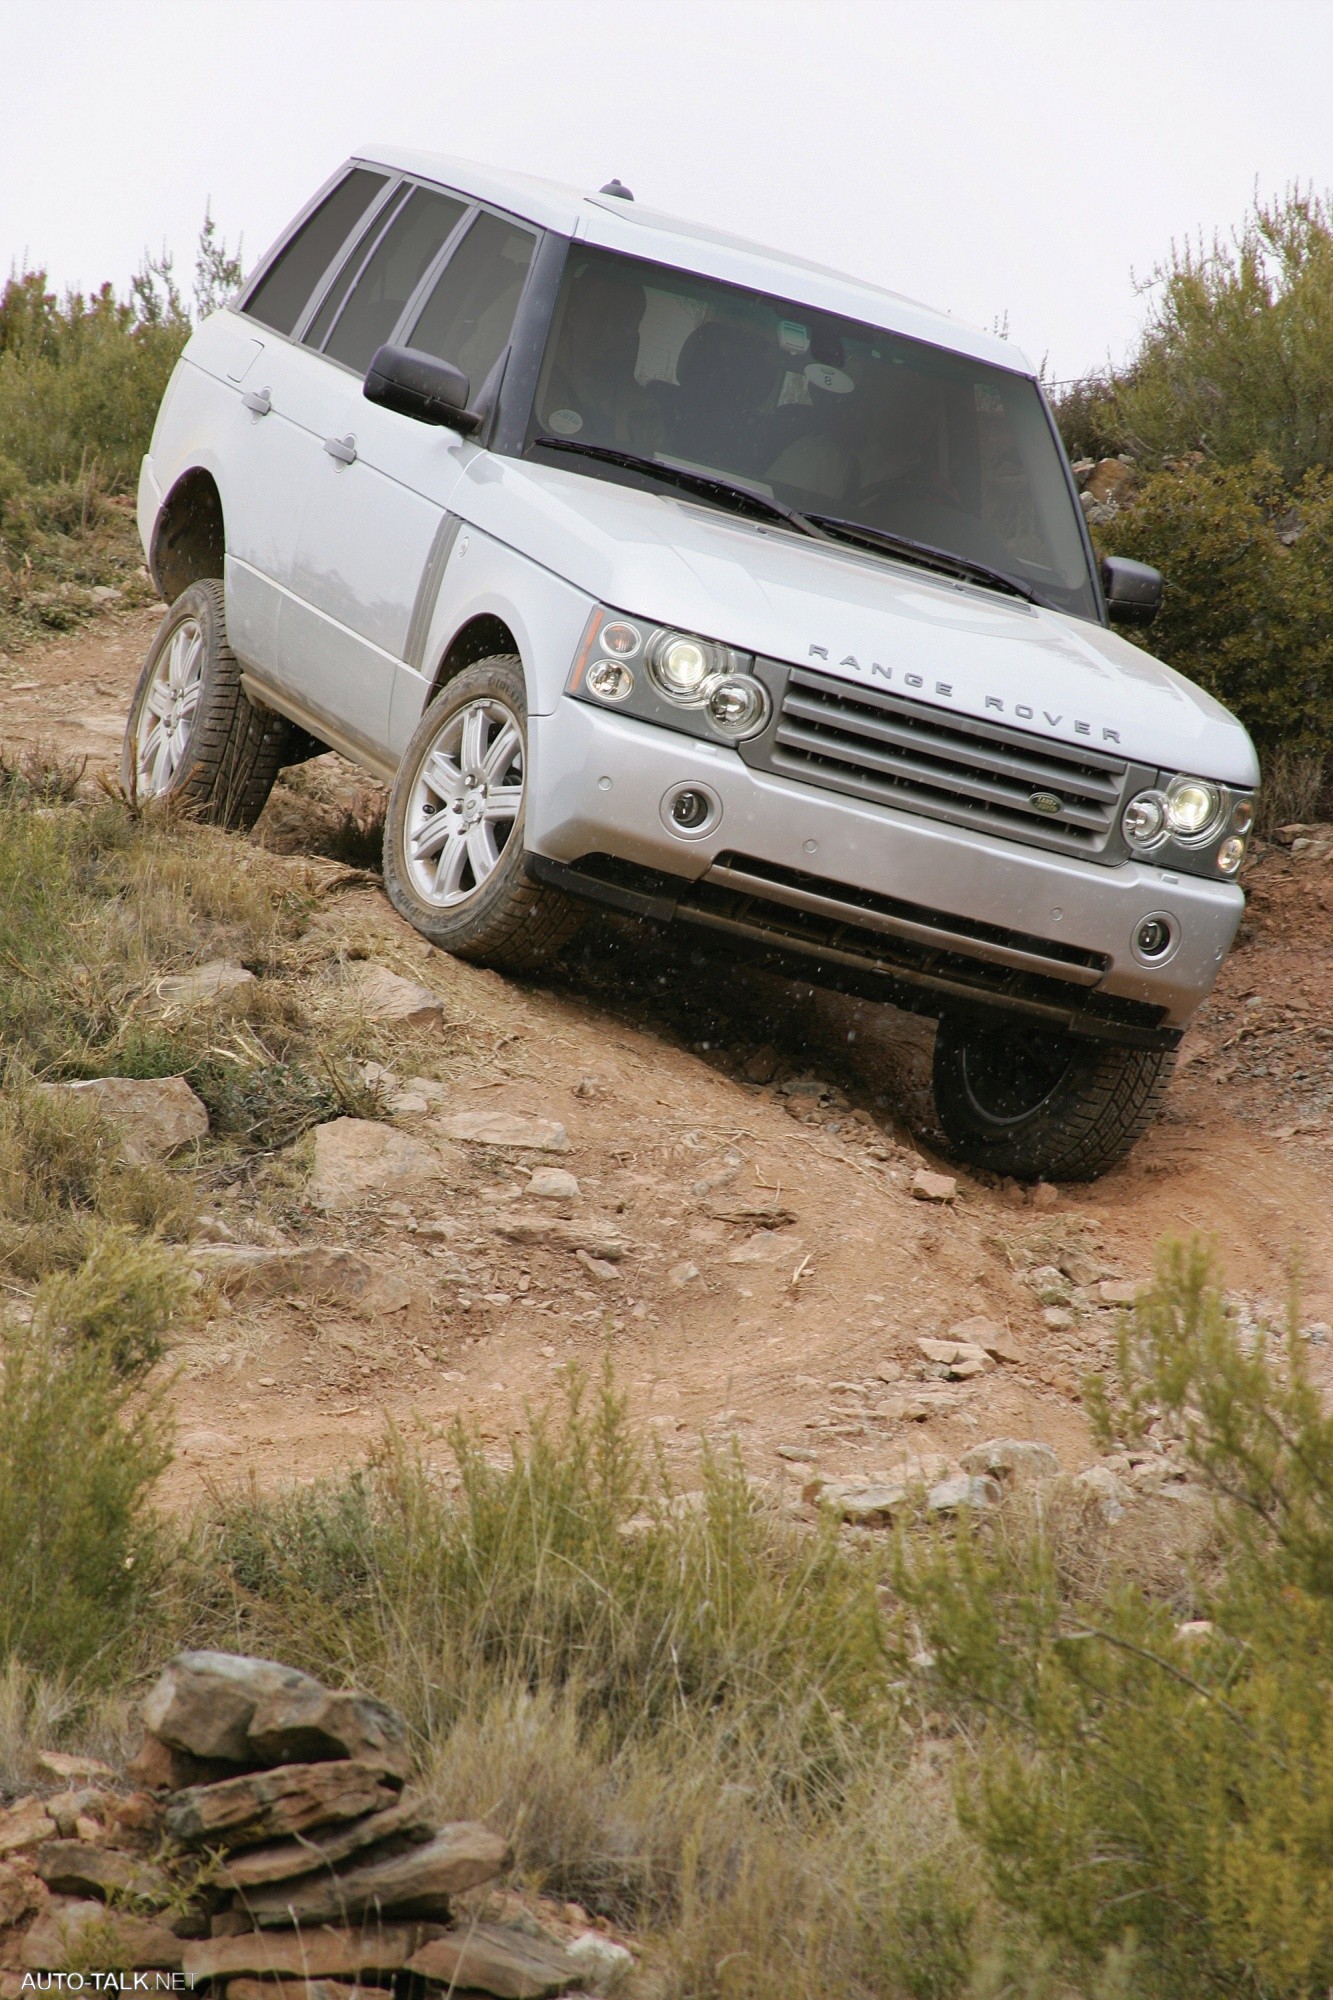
<point x="992" y="157"/>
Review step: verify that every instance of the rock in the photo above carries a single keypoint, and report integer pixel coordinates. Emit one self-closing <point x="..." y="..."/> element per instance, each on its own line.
<point x="410" y="1819"/>
<point x="764" y="1211"/>
<point x="862" y="1506"/>
<point x="1058" y="1318"/>
<point x="965" y="1489"/>
<point x="356" y="1157"/>
<point x="602" y="1963"/>
<point x="1044" y="1197"/>
<point x="1107" y="1489"/>
<point x="342" y="1277"/>
<point x="68" y="1770"/>
<point x="202" y="1702"/>
<point x="596" y="1267"/>
<point x="221" y="985"/>
<point x="384" y="996"/>
<point x="17" y="1895"/>
<point x="292" y="1989"/>
<point x="961" y="1358"/>
<point x="114" y="1940"/>
<point x="416" y="1883"/>
<point x="681" y="1275"/>
<point x="764" y="1247"/>
<point x="153" y="1117"/>
<point x="1049" y="1284"/>
<point x="313" y="1954"/>
<point x="553" y="1184"/>
<point x="26" y="1824"/>
<point x="498" y="1958"/>
<point x="309" y="1723"/>
<point x="268" y="1805"/>
<point x="1192" y="1630"/>
<point x="763" y="1065"/>
<point x="79" y="1868"/>
<point x="1109" y="482"/>
<point x="1013" y="1461"/>
<point x="599" y="1239"/>
<point x="933" y="1187"/>
<point x="1118" y="1291"/>
<point x="506" y="1128"/>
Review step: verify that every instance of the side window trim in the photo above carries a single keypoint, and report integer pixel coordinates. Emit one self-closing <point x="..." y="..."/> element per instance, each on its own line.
<point x="298" y="222"/>
<point x="371" y="227"/>
<point x="416" y="303"/>
<point x="404" y="185"/>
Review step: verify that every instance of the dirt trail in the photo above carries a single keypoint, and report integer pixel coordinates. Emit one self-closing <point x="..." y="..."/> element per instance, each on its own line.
<point x="798" y="1339"/>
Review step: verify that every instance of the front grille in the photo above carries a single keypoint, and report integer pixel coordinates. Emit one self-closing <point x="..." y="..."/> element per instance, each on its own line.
<point x="928" y="760"/>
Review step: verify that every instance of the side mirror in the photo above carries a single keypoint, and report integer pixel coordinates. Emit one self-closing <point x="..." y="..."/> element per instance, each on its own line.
<point x="1133" y="590"/>
<point x="418" y="385"/>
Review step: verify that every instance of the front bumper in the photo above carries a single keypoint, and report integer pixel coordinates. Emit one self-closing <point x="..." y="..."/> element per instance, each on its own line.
<point x="932" y="915"/>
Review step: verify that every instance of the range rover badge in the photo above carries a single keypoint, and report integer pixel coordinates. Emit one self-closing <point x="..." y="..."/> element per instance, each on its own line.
<point x="1045" y="802"/>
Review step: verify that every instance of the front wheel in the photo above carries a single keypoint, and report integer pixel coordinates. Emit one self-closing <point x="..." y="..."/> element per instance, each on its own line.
<point x="1028" y="1101"/>
<point x="453" y="832"/>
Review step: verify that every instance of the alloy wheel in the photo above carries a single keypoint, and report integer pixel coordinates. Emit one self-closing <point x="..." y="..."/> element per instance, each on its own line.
<point x="465" y="803"/>
<point x="167" y="715"/>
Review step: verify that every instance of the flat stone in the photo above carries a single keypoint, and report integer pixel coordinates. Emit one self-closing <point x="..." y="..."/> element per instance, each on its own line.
<point x="26" y="1824"/>
<point x="1118" y="1291"/>
<point x="506" y="1128"/>
<point x="292" y="1989"/>
<point x="961" y="1358"/>
<point x="122" y="1942"/>
<point x="681" y="1275"/>
<point x="861" y="1505"/>
<point x="357" y="1157"/>
<point x="599" y="1239"/>
<point x="202" y="1702"/>
<point x="1109" y="1492"/>
<point x="963" y="1490"/>
<point x="306" y="1724"/>
<point x="385" y="996"/>
<point x="415" y="1883"/>
<point x="221" y="985"/>
<point x="314" y="1954"/>
<point x="1058" y="1318"/>
<point x="602" y="1963"/>
<point x="153" y="1117"/>
<point x="597" y="1267"/>
<point x="410" y="1819"/>
<point x="553" y="1184"/>
<point x="80" y="1868"/>
<point x="67" y="1770"/>
<point x="315" y="1271"/>
<point x="766" y="1246"/>
<point x="1014" y="1461"/>
<point x="499" y="1959"/>
<point x="751" y="1211"/>
<point x="268" y="1805"/>
<point x="990" y="1336"/>
<point x="933" y="1187"/>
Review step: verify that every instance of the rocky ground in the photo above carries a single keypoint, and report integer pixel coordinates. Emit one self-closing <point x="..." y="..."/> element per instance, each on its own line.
<point x="732" y="1187"/>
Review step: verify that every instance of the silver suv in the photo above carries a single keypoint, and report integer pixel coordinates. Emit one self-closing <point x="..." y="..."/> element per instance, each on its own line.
<point x="651" y="567"/>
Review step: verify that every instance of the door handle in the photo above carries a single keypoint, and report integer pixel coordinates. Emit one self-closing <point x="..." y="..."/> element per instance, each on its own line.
<point x="257" y="402"/>
<point x="343" y="449"/>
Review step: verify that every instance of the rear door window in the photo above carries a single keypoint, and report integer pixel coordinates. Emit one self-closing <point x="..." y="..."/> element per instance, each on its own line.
<point x="390" y="275"/>
<point x="468" y="317"/>
<point x="279" y="298"/>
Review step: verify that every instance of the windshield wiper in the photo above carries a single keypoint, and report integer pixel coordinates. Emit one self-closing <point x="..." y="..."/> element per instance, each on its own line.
<point x="924" y="553"/>
<point x="711" y="485"/>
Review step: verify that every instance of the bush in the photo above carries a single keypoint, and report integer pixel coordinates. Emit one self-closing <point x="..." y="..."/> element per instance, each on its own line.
<point x="80" y="1448"/>
<point x="1133" y="1784"/>
<point x="1247" y="609"/>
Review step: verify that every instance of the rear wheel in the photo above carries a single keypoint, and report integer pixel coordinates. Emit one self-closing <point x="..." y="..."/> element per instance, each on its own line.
<point x="1028" y="1101"/>
<point x="192" y="735"/>
<point x="453" y="833"/>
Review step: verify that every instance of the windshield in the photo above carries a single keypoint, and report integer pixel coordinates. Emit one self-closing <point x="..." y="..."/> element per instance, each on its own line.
<point x="830" y="416"/>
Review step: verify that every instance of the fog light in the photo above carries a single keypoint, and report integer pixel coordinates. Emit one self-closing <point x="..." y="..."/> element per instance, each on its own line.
<point x="610" y="680"/>
<point x="1192" y="807"/>
<point x="1144" y="822"/>
<point x="690" y="809"/>
<point x="1230" y="854"/>
<point x="738" y="705"/>
<point x="1153" y="937"/>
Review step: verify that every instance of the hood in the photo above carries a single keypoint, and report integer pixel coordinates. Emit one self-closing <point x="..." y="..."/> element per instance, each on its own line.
<point x="677" y="561"/>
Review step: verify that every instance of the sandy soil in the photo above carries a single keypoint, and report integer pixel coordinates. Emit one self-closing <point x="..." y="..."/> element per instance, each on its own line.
<point x="798" y="1340"/>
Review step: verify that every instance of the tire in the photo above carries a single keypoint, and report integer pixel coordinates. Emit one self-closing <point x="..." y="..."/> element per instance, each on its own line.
<point x="219" y="760"/>
<point x="462" y="883"/>
<point x="1026" y="1101"/>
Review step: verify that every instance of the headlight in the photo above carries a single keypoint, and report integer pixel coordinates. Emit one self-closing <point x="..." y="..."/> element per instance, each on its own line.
<point x="1144" y="823"/>
<point x="1193" y="807"/>
<point x="738" y="705"/>
<point x="682" y="665"/>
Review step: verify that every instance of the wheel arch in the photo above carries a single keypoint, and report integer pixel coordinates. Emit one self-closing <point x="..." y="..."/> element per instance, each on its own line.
<point x="478" y="638"/>
<point x="189" y="542"/>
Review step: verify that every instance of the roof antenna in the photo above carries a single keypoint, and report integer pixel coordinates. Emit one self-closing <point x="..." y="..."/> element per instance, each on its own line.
<point x="618" y="189"/>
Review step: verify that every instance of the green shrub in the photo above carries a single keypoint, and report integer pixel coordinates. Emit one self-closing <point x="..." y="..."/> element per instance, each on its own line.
<point x="1130" y="1783"/>
<point x="80" y="1448"/>
<point x="120" y="1301"/>
<point x="1247" y="609"/>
